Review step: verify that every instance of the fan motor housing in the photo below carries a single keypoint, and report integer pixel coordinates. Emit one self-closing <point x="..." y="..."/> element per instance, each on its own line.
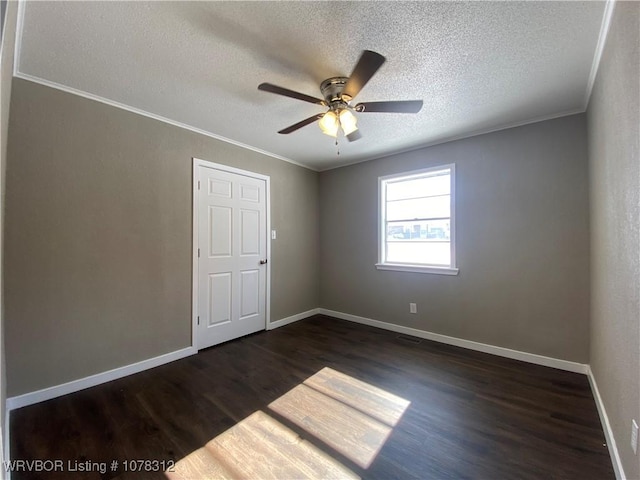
<point x="332" y="89"/>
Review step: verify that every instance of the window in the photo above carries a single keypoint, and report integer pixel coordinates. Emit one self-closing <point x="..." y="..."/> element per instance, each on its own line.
<point x="417" y="221"/>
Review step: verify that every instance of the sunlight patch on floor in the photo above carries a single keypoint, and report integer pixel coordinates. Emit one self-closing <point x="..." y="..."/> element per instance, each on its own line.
<point x="352" y="417"/>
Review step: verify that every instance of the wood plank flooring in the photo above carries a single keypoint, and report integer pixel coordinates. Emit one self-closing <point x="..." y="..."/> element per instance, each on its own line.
<point x="472" y="415"/>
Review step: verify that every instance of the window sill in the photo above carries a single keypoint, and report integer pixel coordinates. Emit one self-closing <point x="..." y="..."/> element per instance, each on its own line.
<point x="417" y="268"/>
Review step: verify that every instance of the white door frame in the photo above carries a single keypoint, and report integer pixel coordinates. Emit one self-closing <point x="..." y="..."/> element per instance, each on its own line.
<point x="194" y="270"/>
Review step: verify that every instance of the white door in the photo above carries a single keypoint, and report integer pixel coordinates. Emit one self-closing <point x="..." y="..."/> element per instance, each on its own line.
<point x="232" y="249"/>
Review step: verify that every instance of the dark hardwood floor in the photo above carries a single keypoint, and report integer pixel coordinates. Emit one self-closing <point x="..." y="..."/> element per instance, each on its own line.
<point x="472" y="415"/>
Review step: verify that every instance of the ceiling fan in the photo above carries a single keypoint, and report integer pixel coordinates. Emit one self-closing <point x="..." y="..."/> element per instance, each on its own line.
<point x="338" y="92"/>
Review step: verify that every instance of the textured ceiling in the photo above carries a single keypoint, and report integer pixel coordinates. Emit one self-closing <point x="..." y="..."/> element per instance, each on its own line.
<point x="478" y="66"/>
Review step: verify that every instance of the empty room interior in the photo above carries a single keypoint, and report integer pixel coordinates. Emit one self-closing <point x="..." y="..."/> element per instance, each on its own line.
<point x="320" y="240"/>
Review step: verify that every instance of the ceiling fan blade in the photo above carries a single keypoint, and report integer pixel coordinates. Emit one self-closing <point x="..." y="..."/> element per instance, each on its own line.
<point x="353" y="136"/>
<point x="366" y="68"/>
<point x="268" y="87"/>
<point x="301" y="124"/>
<point x="400" y="106"/>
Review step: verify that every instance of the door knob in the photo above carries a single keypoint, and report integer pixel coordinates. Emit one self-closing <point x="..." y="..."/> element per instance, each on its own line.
<point x="263" y="262"/>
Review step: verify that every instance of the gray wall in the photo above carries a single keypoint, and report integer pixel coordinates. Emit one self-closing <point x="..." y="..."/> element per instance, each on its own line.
<point x="614" y="146"/>
<point x="523" y="242"/>
<point x="6" y="60"/>
<point x="98" y="236"/>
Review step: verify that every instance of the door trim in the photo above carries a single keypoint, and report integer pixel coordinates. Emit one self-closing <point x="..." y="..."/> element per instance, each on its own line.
<point x="194" y="251"/>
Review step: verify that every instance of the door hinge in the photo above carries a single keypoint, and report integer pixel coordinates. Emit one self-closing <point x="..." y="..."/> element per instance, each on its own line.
<point x="198" y="320"/>
<point x="198" y="184"/>
<point x="198" y="253"/>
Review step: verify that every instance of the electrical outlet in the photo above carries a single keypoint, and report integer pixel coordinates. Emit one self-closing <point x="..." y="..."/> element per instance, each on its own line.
<point x="413" y="308"/>
<point x="273" y="234"/>
<point x="634" y="436"/>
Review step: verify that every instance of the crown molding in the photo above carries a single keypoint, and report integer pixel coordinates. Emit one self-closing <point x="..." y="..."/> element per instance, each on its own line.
<point x="160" y="118"/>
<point x="474" y="133"/>
<point x="18" y="42"/>
<point x="597" y="55"/>
<point x="604" y="30"/>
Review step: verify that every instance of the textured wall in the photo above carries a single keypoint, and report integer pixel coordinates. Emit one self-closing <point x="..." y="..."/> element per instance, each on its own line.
<point x="6" y="60"/>
<point x="98" y="236"/>
<point x="614" y="145"/>
<point x="523" y="242"/>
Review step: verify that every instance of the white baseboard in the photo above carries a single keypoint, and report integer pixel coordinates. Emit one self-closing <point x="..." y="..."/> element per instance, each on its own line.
<point x="606" y="426"/>
<point x="6" y="455"/>
<point x="293" y="318"/>
<point x="7" y="445"/>
<point x="97" y="379"/>
<point x="459" y="342"/>
<point x="81" y="384"/>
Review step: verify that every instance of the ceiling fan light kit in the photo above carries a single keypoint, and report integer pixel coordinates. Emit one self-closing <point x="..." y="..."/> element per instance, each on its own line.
<point x="338" y="92"/>
<point x="348" y="122"/>
<point x="329" y="124"/>
<point x="334" y="120"/>
<point x="339" y="115"/>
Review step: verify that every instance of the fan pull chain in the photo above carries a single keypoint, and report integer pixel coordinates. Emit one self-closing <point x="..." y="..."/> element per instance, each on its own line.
<point x="337" y="147"/>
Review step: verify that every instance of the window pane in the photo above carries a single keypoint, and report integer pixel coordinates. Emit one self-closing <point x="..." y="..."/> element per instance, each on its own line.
<point x="419" y="208"/>
<point x="420" y="187"/>
<point x="430" y="253"/>
<point x="418" y="218"/>
<point x="431" y="230"/>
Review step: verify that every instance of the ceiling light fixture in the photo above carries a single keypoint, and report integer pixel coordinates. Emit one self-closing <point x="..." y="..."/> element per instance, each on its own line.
<point x="334" y="120"/>
<point x="329" y="124"/>
<point x="348" y="121"/>
<point x="338" y="92"/>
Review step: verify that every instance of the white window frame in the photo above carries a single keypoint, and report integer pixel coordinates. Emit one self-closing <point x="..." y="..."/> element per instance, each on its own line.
<point x="382" y="234"/>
